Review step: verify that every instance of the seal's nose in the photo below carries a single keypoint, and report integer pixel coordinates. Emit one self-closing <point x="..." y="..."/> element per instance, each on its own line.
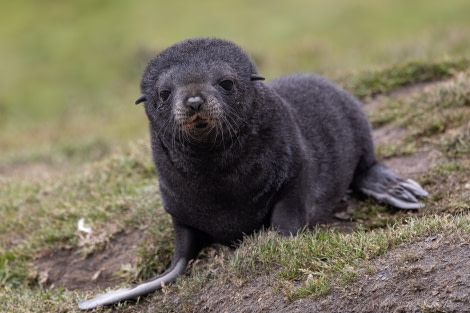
<point x="195" y="103"/>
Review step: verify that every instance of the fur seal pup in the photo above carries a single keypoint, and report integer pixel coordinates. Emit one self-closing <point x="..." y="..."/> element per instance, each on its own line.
<point x="234" y="154"/>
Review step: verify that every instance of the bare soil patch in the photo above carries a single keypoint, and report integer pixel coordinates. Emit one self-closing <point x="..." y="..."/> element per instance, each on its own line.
<point x="388" y="134"/>
<point x="68" y="268"/>
<point x="404" y="92"/>
<point x="411" y="166"/>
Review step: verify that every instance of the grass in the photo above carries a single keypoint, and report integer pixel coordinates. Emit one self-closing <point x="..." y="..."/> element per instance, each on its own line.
<point x="71" y="70"/>
<point x="330" y="257"/>
<point x="73" y="144"/>
<point x="42" y="216"/>
<point x="380" y="81"/>
<point x="437" y="115"/>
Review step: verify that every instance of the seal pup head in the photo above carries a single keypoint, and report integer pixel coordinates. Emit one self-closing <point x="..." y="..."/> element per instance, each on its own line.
<point x="199" y="92"/>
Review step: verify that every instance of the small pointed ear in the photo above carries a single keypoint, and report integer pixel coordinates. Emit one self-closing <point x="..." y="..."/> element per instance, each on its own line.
<point x="141" y="99"/>
<point x="256" y="77"/>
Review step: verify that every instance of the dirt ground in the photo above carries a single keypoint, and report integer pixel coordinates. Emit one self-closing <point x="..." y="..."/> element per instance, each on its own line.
<point x="72" y="270"/>
<point x="429" y="275"/>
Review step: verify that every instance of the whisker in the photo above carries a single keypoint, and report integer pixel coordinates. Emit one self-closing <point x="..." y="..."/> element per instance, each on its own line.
<point x="229" y="128"/>
<point x="235" y="131"/>
<point x="231" y="111"/>
<point x="163" y="127"/>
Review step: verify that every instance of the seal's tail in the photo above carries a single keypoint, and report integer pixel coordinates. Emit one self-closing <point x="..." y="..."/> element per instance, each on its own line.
<point x="383" y="184"/>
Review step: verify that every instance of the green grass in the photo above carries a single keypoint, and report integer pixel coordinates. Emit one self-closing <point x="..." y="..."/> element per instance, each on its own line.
<point x="331" y="257"/>
<point x="380" y="81"/>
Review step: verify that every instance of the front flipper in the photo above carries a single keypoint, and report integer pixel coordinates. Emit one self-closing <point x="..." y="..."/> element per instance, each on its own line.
<point x="188" y="243"/>
<point x="384" y="185"/>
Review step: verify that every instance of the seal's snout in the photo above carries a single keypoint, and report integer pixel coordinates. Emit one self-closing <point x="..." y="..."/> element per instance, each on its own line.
<point x="195" y="103"/>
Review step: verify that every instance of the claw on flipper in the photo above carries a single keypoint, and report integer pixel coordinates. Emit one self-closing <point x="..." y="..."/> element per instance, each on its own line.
<point x="385" y="186"/>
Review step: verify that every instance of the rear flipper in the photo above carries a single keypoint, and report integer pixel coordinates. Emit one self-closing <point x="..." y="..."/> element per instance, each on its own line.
<point x="384" y="185"/>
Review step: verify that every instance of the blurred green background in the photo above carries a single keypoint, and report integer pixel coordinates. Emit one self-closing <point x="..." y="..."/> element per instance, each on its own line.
<point x="70" y="70"/>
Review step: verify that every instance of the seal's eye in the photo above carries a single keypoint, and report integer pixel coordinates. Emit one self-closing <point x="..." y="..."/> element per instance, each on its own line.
<point x="227" y="84"/>
<point x="165" y="94"/>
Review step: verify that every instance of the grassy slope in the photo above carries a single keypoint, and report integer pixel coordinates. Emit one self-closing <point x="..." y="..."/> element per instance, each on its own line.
<point x="70" y="74"/>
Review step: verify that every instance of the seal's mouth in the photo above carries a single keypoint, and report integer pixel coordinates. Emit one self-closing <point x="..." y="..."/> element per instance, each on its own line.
<point x="197" y="121"/>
